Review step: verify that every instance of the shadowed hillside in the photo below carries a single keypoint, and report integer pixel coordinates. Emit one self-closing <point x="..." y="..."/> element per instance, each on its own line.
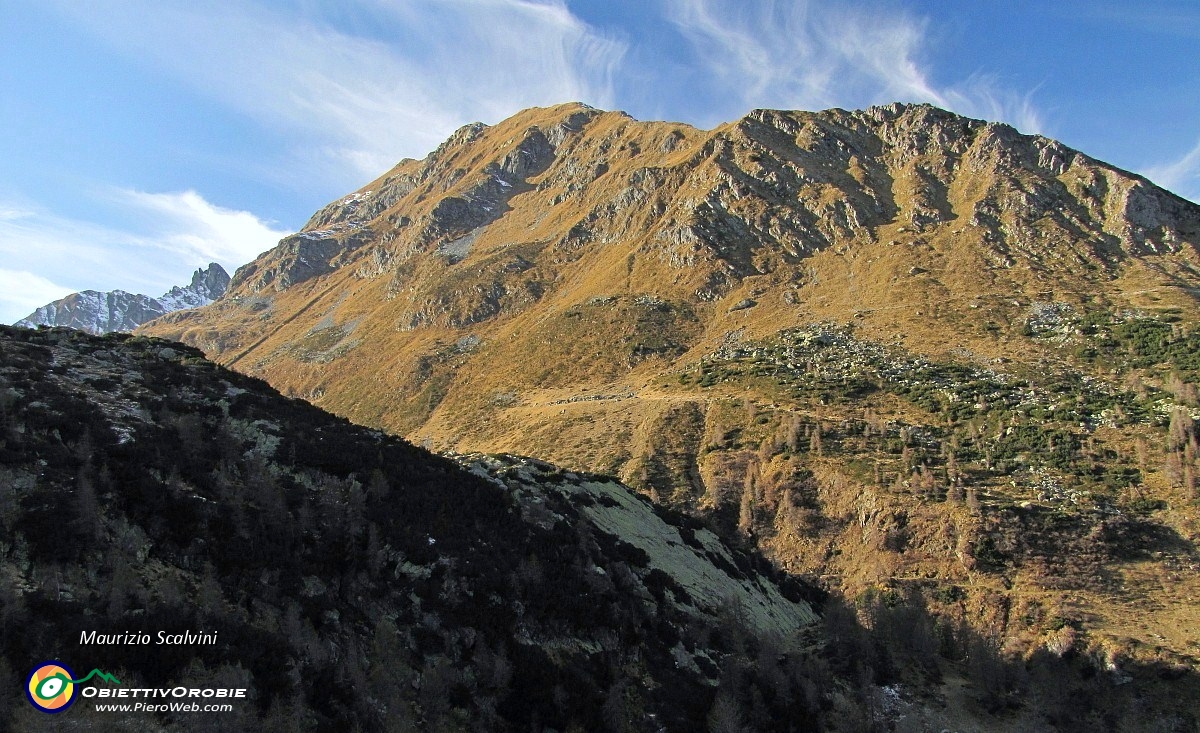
<point x="354" y="582"/>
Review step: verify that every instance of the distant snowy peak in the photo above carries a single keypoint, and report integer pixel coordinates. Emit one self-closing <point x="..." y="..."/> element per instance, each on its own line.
<point x="207" y="285"/>
<point x="96" y="312"/>
<point x="101" y="312"/>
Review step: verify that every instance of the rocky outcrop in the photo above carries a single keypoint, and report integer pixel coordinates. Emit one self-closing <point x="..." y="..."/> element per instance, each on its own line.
<point x="208" y="284"/>
<point x="297" y="258"/>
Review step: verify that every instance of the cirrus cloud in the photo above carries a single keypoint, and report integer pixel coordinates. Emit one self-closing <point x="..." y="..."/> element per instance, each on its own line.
<point x="356" y="97"/>
<point x="812" y="55"/>
<point x="171" y="235"/>
<point x="22" y="292"/>
<point x="1181" y="175"/>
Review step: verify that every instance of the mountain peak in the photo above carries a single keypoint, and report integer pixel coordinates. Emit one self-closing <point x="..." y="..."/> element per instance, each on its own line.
<point x="208" y="283"/>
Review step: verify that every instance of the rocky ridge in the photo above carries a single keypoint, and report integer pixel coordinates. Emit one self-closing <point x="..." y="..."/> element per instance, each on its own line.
<point x="103" y="312"/>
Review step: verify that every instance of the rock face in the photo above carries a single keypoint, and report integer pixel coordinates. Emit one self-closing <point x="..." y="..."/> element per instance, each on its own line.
<point x="208" y="284"/>
<point x="103" y="312"/>
<point x="868" y="342"/>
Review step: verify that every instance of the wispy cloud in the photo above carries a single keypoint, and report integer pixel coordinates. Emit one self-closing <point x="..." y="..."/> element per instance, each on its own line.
<point x="186" y="225"/>
<point x="176" y="233"/>
<point x="356" y="88"/>
<point x="352" y="102"/>
<point x="22" y="292"/>
<point x="983" y="96"/>
<point x="812" y="55"/>
<point x="1181" y="175"/>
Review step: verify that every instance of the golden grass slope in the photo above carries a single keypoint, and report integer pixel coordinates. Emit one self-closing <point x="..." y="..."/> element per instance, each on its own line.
<point x="904" y="218"/>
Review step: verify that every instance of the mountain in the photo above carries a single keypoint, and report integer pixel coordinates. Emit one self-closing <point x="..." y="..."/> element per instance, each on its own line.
<point x="116" y="310"/>
<point x="896" y="350"/>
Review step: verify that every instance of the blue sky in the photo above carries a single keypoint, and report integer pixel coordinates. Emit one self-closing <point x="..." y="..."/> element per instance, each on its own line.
<point x="145" y="138"/>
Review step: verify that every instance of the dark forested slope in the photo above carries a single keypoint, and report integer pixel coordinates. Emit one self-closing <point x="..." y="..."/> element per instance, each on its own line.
<point x="354" y="581"/>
